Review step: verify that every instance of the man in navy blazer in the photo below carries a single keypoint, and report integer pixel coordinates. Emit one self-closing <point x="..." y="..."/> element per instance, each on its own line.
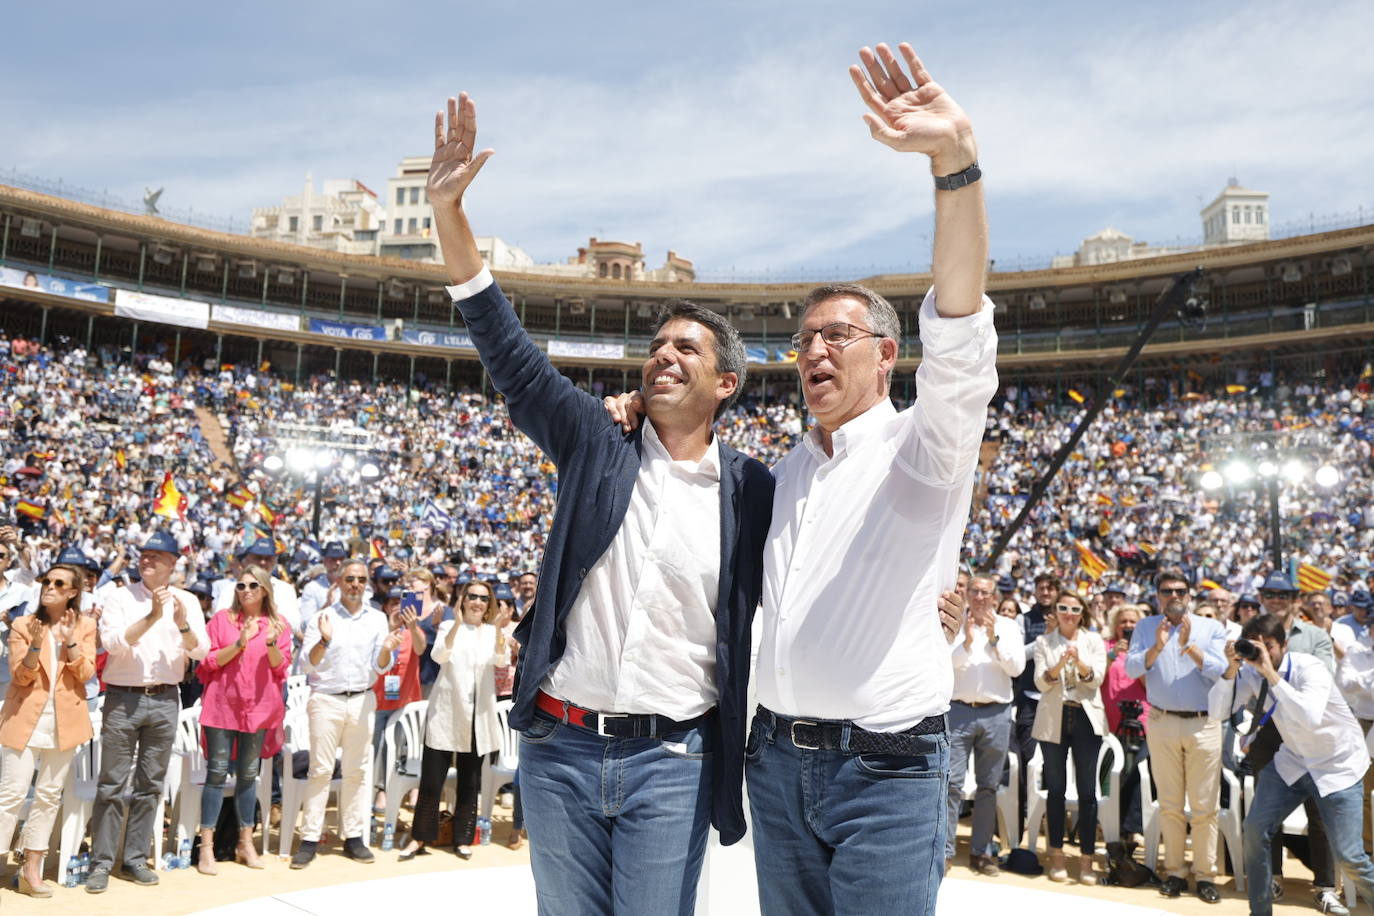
<point x="630" y="693"/>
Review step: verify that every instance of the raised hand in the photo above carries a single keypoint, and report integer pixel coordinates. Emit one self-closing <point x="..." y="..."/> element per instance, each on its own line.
<point x="275" y="628"/>
<point x="178" y="611"/>
<point x="951" y="608"/>
<point x="1185" y="629"/>
<point x="1162" y="634"/>
<point x="393" y="640"/>
<point x="63" y="629"/>
<point x="454" y="165"/>
<point x="161" y="597"/>
<point x="327" y="626"/>
<point x="248" y="631"/>
<point x="407" y="619"/>
<point x="37" y="630"/>
<point x="913" y="114"/>
<point x="503" y="616"/>
<point x="626" y="409"/>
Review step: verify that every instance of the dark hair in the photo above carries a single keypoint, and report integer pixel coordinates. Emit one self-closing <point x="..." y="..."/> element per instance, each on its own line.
<point x="728" y="349"/>
<point x="78" y="582"/>
<point x="1050" y="578"/>
<point x="1171" y="574"/>
<point x="1265" y="626"/>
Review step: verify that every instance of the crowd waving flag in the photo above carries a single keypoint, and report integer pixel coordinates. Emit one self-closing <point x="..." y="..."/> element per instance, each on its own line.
<point x="1313" y="578"/>
<point x="169" y="502"/>
<point x="433" y="515"/>
<point x="1091" y="563"/>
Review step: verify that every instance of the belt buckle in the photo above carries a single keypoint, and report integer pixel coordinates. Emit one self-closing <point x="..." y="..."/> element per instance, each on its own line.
<point x="603" y="718"/>
<point x="792" y="734"/>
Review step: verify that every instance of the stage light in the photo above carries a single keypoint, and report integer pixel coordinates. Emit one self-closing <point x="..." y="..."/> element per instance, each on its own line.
<point x="349" y="463"/>
<point x="299" y="460"/>
<point x="1327" y="476"/>
<point x="273" y="464"/>
<point x="370" y="471"/>
<point x="1268" y="468"/>
<point x="1211" y="480"/>
<point x="324" y="459"/>
<point x="1239" y="472"/>
<point x="1294" y="471"/>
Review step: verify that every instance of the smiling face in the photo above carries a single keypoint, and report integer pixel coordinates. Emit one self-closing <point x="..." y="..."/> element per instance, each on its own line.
<point x="680" y="379"/>
<point x="842" y="381"/>
<point x="476" y="599"/>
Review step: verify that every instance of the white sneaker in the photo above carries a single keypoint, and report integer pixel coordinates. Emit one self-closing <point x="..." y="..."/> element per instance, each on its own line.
<point x="1327" y="902"/>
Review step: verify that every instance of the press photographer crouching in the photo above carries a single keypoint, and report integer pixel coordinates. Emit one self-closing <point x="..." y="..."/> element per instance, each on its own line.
<point x="1323" y="755"/>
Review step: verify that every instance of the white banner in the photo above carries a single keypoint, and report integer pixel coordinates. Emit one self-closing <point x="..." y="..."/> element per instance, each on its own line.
<point x="144" y="307"/>
<point x="258" y="318"/>
<point x="584" y="349"/>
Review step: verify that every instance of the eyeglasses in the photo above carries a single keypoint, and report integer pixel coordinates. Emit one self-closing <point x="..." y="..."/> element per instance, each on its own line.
<point x="1068" y="609"/>
<point x="1276" y="594"/>
<point x="470" y="595"/>
<point x="836" y="334"/>
<point x="55" y="583"/>
<point x="353" y="579"/>
<point x="247" y="586"/>
<point x="1173" y="591"/>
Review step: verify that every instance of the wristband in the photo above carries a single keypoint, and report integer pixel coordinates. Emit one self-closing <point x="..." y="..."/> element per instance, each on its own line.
<point x="959" y="179"/>
<point x="71" y="645"/>
<point x="183" y="629"/>
<point x="33" y="648"/>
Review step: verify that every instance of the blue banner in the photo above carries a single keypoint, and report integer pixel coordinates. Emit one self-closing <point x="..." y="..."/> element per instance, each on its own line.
<point x="756" y="354"/>
<point x="437" y="339"/>
<point x="350" y="331"/>
<point x="28" y="279"/>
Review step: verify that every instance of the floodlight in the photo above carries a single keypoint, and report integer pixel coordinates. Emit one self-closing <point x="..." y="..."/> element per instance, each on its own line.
<point x="1294" y="471"/>
<point x="1211" y="480"/>
<point x="1328" y="476"/>
<point x="1239" y="472"/>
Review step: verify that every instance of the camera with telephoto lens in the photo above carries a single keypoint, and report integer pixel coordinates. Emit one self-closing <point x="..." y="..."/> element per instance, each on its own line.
<point x="1247" y="650"/>
<point x="1130" y="729"/>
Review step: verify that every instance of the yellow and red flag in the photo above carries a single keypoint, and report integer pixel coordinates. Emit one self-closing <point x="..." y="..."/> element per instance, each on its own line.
<point x="1209" y="583"/>
<point x="30" y="509"/>
<point x="1313" y="578"/>
<point x="1104" y="500"/>
<point x="374" y="549"/>
<point x="1235" y="389"/>
<point x="169" y="502"/>
<point x="1091" y="563"/>
<point x="1076" y="396"/>
<point x="267" y="514"/>
<point x="120" y="458"/>
<point x="239" y="497"/>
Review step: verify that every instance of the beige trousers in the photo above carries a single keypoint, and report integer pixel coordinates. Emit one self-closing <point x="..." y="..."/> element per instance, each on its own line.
<point x="16" y="771"/>
<point x="1185" y="759"/>
<point x="340" y="724"/>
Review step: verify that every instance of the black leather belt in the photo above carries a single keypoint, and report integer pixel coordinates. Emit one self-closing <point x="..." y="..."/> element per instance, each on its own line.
<point x="614" y="724"/>
<point x="827" y="734"/>
<point x="1187" y="714"/>
<point x="148" y="690"/>
<point x="347" y="693"/>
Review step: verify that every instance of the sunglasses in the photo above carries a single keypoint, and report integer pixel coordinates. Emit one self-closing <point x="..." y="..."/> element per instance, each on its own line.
<point x="1276" y="594"/>
<point x="470" y="595"/>
<point x="1068" y="609"/>
<point x="55" y="583"/>
<point x="247" y="586"/>
<point x="1173" y="591"/>
<point x="353" y="579"/>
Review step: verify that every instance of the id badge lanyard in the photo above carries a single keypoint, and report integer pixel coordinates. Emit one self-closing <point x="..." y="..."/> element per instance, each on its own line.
<point x="1287" y="672"/>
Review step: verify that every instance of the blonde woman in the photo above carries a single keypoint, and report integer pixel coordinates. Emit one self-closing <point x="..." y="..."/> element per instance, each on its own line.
<point x="45" y="718"/>
<point x="241" y="709"/>
<point x="1070" y="664"/>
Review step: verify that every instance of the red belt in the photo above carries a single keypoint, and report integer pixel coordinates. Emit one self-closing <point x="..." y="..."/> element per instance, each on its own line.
<point x="614" y="724"/>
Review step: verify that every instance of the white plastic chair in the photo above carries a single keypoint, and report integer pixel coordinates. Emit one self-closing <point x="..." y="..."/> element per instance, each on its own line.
<point x="1109" y="806"/>
<point x="1006" y="799"/>
<point x="78" y="799"/>
<point x="190" y="782"/>
<point x="1229" y="816"/>
<point x="297" y="692"/>
<point x="293" y="789"/>
<point x="1037" y="798"/>
<point x="403" y="772"/>
<point x="494" y="775"/>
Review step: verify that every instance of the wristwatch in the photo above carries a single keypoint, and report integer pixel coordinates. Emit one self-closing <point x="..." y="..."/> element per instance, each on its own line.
<point x="183" y="629"/>
<point x="959" y="179"/>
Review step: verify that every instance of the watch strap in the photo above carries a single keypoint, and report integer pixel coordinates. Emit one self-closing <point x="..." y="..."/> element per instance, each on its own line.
<point x="959" y="179"/>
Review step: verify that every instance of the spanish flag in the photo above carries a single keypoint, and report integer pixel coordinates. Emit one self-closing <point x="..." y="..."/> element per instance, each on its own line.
<point x="267" y="514"/>
<point x="1208" y="583"/>
<point x="30" y="509"/>
<point x="120" y="458"/>
<point x="374" y="549"/>
<point x="1313" y="578"/>
<point x="1091" y="563"/>
<point x="239" y="497"/>
<point x="169" y="502"/>
<point x="1104" y="528"/>
<point x="1147" y="548"/>
<point x="1076" y="396"/>
<point x="1235" y="389"/>
<point x="1104" y="500"/>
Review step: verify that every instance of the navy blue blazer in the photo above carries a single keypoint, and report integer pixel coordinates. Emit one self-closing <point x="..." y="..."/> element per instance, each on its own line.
<point x="597" y="466"/>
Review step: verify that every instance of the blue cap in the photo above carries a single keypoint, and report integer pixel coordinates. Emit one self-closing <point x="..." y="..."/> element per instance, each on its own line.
<point x="162" y="541"/>
<point x="1362" y="599"/>
<point x="72" y="556"/>
<point x="1005" y="584"/>
<point x="1248" y="598"/>
<point x="334" y="550"/>
<point x="385" y="572"/>
<point x="1111" y="585"/>
<point x="1277" y="582"/>
<point x="395" y="594"/>
<point x="437" y="572"/>
<point x="200" y="587"/>
<point x="262" y="547"/>
<point x="463" y="579"/>
<point x="503" y="593"/>
<point x="1340" y="598"/>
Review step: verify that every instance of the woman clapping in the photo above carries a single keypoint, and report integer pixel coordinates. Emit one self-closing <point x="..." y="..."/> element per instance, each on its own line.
<point x="242" y="709"/>
<point x="44" y="719"/>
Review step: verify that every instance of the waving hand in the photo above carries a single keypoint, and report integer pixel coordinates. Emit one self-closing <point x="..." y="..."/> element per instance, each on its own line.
<point x="913" y="114"/>
<point x="454" y="164"/>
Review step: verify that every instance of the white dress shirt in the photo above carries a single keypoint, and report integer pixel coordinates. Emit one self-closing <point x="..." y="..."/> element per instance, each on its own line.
<point x="642" y="632"/>
<point x="862" y="543"/>
<point x="983" y="672"/>
<point x="160" y="655"/>
<point x="350" y="660"/>
<point x="462" y="702"/>
<point x="1320" y="734"/>
<point x="314" y="596"/>
<point x="1355" y="670"/>
<point x="19" y="594"/>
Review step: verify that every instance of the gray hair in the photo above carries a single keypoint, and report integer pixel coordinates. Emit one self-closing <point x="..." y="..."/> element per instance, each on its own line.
<point x="729" y="347"/>
<point x="882" y="317"/>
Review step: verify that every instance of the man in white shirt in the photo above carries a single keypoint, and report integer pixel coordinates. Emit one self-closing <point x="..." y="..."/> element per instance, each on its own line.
<point x="17" y="593"/>
<point x="149" y="631"/>
<point x="347" y="645"/>
<point x="985" y="660"/>
<point x="853" y="671"/>
<point x="1323" y="757"/>
<point x="315" y="595"/>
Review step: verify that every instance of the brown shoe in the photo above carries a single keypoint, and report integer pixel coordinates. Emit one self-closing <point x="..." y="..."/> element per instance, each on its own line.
<point x="1085" y="870"/>
<point x="275" y="817"/>
<point x="984" y="865"/>
<point x="1055" y="868"/>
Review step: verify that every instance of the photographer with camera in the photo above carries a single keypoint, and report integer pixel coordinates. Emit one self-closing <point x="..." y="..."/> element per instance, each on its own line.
<point x="1323" y="755"/>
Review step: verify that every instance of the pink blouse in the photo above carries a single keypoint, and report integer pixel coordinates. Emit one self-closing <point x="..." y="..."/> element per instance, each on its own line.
<point x="246" y="694"/>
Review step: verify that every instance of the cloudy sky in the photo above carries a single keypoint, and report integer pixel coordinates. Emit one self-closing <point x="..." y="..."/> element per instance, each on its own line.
<point x="727" y="131"/>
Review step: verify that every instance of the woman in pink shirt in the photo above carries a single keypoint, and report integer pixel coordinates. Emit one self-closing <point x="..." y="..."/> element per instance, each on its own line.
<point x="241" y="709"/>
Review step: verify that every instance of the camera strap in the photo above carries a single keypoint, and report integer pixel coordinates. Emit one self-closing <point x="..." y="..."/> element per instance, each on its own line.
<point x="1264" y="691"/>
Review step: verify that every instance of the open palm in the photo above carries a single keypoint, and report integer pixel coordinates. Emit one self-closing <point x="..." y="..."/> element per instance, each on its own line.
<point x="454" y="165"/>
<point x="911" y="114"/>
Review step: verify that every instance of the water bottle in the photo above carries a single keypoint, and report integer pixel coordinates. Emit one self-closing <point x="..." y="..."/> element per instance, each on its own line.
<point x="83" y="870"/>
<point x="169" y="861"/>
<point x="184" y="853"/>
<point x="72" y="877"/>
<point x="484" y="830"/>
<point x="388" y="836"/>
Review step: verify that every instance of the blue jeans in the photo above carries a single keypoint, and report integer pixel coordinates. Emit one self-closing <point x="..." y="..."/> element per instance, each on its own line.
<point x="842" y="833"/>
<point x="615" y="824"/>
<point x="983" y="733"/>
<point x="219" y="744"/>
<point x="1342" y="814"/>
